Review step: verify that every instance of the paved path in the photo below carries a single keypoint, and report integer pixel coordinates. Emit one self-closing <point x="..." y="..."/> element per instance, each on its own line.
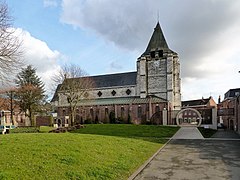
<point x="195" y="159"/>
<point x="188" y="132"/>
<point x="227" y="134"/>
<point x="189" y="156"/>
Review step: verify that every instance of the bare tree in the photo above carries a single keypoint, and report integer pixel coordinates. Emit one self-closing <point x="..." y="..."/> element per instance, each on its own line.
<point x="74" y="85"/>
<point x="10" y="45"/>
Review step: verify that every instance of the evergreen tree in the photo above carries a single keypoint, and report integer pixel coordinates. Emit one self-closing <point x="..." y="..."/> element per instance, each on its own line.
<point x="30" y="92"/>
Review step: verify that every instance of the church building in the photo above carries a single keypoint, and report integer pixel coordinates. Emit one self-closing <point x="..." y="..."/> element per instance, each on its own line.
<point x="131" y="97"/>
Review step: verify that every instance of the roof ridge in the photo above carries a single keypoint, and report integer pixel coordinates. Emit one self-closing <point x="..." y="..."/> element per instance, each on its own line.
<point x="197" y="99"/>
<point x="113" y="74"/>
<point x="103" y="75"/>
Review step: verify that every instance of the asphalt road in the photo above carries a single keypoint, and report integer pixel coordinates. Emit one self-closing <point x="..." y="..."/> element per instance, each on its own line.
<point x="195" y="159"/>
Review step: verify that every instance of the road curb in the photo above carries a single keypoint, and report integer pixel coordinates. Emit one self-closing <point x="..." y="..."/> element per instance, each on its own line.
<point x="142" y="167"/>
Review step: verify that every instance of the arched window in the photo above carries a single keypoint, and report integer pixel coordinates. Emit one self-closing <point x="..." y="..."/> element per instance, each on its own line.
<point x="122" y="111"/>
<point x="91" y="113"/>
<point x="64" y="112"/>
<point x="157" y="109"/>
<point x="139" y="112"/>
<point x="106" y="110"/>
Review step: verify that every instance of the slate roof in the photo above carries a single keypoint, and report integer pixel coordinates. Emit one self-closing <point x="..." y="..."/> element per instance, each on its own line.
<point x="196" y="102"/>
<point x="157" y="42"/>
<point x="113" y="80"/>
<point x="232" y="93"/>
<point x="55" y="96"/>
<point x="105" y="81"/>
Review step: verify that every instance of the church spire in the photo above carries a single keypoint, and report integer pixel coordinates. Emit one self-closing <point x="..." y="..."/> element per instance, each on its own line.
<point x="157" y="41"/>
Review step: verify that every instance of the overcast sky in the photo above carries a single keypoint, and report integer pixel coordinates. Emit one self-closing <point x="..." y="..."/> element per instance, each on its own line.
<point x="107" y="36"/>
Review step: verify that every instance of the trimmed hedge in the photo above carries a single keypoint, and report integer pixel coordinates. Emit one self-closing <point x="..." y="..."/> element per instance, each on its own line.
<point x="25" y="129"/>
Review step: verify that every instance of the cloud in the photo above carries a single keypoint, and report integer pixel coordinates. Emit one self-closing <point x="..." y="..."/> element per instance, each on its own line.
<point x="195" y="29"/>
<point x="204" y="33"/>
<point x="40" y="56"/>
<point x="114" y="66"/>
<point x="113" y="20"/>
<point x="50" y="3"/>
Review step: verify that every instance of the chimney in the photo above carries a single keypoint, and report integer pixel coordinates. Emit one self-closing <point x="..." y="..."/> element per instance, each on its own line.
<point x="219" y="99"/>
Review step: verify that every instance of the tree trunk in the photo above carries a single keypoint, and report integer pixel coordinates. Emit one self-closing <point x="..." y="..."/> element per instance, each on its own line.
<point x="30" y="116"/>
<point x="11" y="106"/>
<point x="71" y="115"/>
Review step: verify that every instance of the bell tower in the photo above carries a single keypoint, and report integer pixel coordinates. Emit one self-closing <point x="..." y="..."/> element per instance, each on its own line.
<point x="158" y="71"/>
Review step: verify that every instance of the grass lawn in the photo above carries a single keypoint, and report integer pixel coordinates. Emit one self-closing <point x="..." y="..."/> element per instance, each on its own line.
<point x="85" y="154"/>
<point x="145" y="132"/>
<point x="207" y="133"/>
<point x="45" y="129"/>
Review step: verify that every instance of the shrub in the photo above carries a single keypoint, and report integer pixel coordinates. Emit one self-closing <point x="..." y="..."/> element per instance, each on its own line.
<point x="129" y="120"/>
<point x="148" y="122"/>
<point x="119" y="120"/>
<point x="144" y="119"/>
<point x="66" y="129"/>
<point x="112" y="118"/>
<point x="88" y="121"/>
<point x="96" y="119"/>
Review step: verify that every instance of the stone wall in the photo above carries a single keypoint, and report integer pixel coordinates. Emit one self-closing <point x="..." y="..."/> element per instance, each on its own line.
<point x="100" y="93"/>
<point x="160" y="76"/>
<point x="124" y="91"/>
<point x="238" y="114"/>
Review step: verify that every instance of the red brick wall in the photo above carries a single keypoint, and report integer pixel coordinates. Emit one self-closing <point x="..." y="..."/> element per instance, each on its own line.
<point x="43" y="120"/>
<point x="132" y="110"/>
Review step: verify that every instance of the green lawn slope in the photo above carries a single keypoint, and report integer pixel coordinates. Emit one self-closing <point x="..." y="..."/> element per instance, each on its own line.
<point x="95" y="152"/>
